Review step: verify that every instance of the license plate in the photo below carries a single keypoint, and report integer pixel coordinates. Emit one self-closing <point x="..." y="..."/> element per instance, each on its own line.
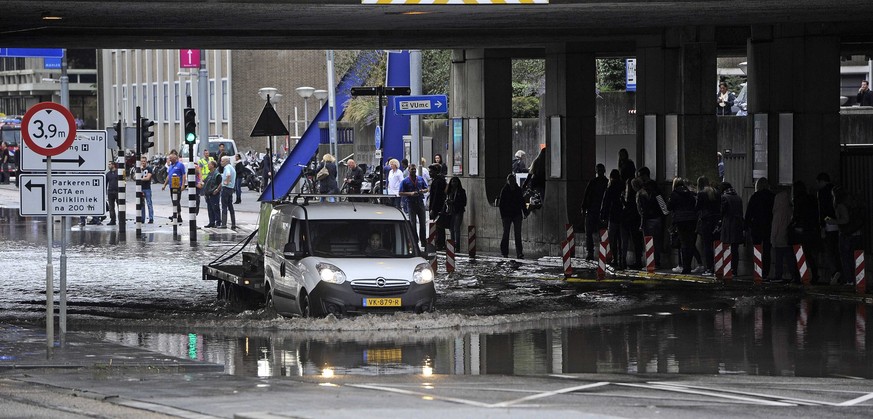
<point x="382" y="302"/>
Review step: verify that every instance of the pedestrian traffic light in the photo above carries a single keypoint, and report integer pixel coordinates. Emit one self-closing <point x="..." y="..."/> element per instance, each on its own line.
<point x="190" y="126"/>
<point x="118" y="134"/>
<point x="145" y="134"/>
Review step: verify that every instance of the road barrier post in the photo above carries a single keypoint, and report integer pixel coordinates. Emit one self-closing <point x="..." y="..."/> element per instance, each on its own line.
<point x="450" y="256"/>
<point x="650" y="254"/>
<point x="431" y="239"/>
<point x="571" y="239"/>
<point x="727" y="259"/>
<point x="601" y="260"/>
<point x="759" y="270"/>
<point x="718" y="263"/>
<point x="471" y="241"/>
<point x="800" y="257"/>
<point x="860" y="273"/>
<point x="565" y="257"/>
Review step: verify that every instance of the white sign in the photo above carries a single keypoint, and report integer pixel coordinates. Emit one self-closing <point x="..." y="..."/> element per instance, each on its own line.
<point x="86" y="154"/>
<point x="78" y="194"/>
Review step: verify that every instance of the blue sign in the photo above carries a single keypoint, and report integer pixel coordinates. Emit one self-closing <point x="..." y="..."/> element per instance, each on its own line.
<point x="630" y="66"/>
<point x="378" y="136"/>
<point x="420" y="105"/>
<point x="32" y="52"/>
<point x="52" y="63"/>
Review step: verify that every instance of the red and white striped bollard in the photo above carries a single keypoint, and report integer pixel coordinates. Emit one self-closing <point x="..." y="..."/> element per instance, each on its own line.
<point x="601" y="260"/>
<point x="860" y="273"/>
<point x="727" y="259"/>
<point x="650" y="254"/>
<point x="431" y="240"/>
<point x="759" y="268"/>
<point x="565" y="256"/>
<point x="471" y="241"/>
<point x="571" y="239"/>
<point x="450" y="256"/>
<point x="718" y="262"/>
<point x="805" y="275"/>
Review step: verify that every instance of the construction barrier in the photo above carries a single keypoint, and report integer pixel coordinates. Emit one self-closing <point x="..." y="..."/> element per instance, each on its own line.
<point x="450" y="256"/>
<point x="571" y="239"/>
<point x="860" y="273"/>
<point x="431" y="241"/>
<point x="759" y="268"/>
<point x="604" y="237"/>
<point x="471" y="241"/>
<point x="718" y="262"/>
<point x="805" y="275"/>
<point x="601" y="260"/>
<point x="727" y="259"/>
<point x="565" y="255"/>
<point x="650" y="254"/>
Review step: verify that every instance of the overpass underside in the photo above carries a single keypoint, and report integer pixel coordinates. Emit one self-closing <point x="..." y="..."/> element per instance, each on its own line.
<point x="794" y="89"/>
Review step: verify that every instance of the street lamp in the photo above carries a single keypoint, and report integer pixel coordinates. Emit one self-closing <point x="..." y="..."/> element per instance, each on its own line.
<point x="305" y="92"/>
<point x="321" y="95"/>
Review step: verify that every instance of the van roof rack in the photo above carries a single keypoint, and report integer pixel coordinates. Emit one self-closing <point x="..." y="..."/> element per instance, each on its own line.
<point x="306" y="197"/>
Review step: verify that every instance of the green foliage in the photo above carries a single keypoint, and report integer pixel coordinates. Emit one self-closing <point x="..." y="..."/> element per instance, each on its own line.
<point x="525" y="107"/>
<point x="610" y="74"/>
<point x="734" y="83"/>
<point x="436" y="71"/>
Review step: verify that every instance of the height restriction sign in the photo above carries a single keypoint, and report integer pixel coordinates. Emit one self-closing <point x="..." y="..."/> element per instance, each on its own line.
<point x="48" y="128"/>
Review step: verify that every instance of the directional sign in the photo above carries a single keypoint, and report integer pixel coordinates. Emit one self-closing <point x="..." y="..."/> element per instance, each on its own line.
<point x="48" y="128"/>
<point x="420" y="105"/>
<point x="86" y="154"/>
<point x="32" y="52"/>
<point x="189" y="58"/>
<point x="70" y="194"/>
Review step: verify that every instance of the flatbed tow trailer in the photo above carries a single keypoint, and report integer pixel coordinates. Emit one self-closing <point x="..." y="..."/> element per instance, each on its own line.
<point x="238" y="283"/>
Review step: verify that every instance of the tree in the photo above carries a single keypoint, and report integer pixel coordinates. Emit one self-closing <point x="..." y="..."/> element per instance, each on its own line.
<point x="611" y="74"/>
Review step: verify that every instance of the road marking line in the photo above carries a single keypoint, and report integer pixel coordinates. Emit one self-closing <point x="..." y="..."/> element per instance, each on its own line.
<point x="706" y="393"/>
<point x="778" y="398"/>
<point x="549" y="394"/>
<point x="853" y="402"/>
<point x="418" y="393"/>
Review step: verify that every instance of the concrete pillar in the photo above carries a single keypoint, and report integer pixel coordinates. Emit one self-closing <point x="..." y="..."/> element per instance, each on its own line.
<point x="658" y="94"/>
<point x="570" y="95"/>
<point x="794" y="79"/>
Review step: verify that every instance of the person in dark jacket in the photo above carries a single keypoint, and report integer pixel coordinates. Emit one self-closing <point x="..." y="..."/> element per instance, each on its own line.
<point x="354" y="178"/>
<point x="806" y="226"/>
<point x="864" y="96"/>
<point x="438" y="160"/>
<point x="682" y="206"/>
<point x="832" y="233"/>
<point x="456" y="203"/>
<point x="512" y="213"/>
<point x="240" y="172"/>
<point x="631" y="235"/>
<point x="437" y="202"/>
<point x="518" y="164"/>
<point x="626" y="166"/>
<point x="759" y="220"/>
<point x="651" y="215"/>
<point x="732" y="223"/>
<point x="591" y="203"/>
<point x="212" y="192"/>
<point x="611" y="214"/>
<point x="111" y="191"/>
<point x="708" y="216"/>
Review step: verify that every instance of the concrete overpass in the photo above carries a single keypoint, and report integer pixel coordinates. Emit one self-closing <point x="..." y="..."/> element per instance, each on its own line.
<point x="793" y="49"/>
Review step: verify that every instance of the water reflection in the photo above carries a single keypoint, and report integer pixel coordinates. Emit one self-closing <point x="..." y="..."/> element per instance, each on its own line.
<point x="783" y="338"/>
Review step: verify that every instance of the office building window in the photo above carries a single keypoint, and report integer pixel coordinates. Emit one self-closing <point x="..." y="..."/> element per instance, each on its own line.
<point x="154" y="101"/>
<point x="166" y="101"/>
<point x="212" y="99"/>
<point x="176" y="90"/>
<point x="224" y="104"/>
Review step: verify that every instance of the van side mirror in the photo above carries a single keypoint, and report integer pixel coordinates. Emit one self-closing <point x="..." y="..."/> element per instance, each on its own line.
<point x="290" y="251"/>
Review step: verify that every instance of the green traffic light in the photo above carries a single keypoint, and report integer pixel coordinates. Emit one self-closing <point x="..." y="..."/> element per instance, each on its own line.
<point x="191" y="137"/>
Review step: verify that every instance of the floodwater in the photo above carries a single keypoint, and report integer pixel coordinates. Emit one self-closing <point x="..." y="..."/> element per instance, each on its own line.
<point x="498" y="317"/>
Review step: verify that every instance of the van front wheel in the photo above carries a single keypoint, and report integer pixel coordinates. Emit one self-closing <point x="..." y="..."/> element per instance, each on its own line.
<point x="305" y="307"/>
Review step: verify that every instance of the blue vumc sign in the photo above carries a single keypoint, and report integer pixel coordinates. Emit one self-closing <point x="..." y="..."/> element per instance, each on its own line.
<point x="420" y="105"/>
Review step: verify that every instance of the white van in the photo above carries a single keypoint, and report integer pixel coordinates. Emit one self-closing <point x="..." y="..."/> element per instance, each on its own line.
<point x="340" y="258"/>
<point x="213" y="143"/>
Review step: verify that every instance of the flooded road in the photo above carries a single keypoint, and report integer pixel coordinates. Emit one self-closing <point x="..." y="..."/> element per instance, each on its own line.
<point x="498" y="317"/>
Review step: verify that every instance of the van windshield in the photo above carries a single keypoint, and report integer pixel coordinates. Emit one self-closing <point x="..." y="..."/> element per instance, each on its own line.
<point x="213" y="149"/>
<point x="361" y="238"/>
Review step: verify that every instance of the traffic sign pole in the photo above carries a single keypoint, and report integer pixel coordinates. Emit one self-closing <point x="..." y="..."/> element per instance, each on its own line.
<point x="49" y="268"/>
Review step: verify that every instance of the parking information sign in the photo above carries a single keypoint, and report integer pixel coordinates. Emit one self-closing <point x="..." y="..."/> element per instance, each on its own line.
<point x="78" y="194"/>
<point x="86" y="154"/>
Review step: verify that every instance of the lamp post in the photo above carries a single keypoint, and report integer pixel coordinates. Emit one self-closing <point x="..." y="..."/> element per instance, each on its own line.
<point x="321" y="95"/>
<point x="305" y="92"/>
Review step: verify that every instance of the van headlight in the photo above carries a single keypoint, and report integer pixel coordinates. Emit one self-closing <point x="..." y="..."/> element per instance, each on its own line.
<point x="422" y="274"/>
<point x="330" y="273"/>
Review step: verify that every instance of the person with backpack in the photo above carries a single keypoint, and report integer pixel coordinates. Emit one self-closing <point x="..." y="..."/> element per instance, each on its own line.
<point x="456" y="204"/>
<point x="611" y="214"/>
<point x="591" y="204"/>
<point x="652" y="208"/>
<point x="850" y="221"/>
<point x="512" y="213"/>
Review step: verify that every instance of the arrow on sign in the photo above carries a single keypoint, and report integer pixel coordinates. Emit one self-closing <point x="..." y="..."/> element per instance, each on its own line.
<point x="80" y="160"/>
<point x="31" y="185"/>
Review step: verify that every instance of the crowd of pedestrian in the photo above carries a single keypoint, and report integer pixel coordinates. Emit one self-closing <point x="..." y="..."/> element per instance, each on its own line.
<point x="629" y="205"/>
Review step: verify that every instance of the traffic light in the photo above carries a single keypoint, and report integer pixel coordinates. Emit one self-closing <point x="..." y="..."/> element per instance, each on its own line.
<point x="118" y="134"/>
<point x="145" y="133"/>
<point x="190" y="126"/>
